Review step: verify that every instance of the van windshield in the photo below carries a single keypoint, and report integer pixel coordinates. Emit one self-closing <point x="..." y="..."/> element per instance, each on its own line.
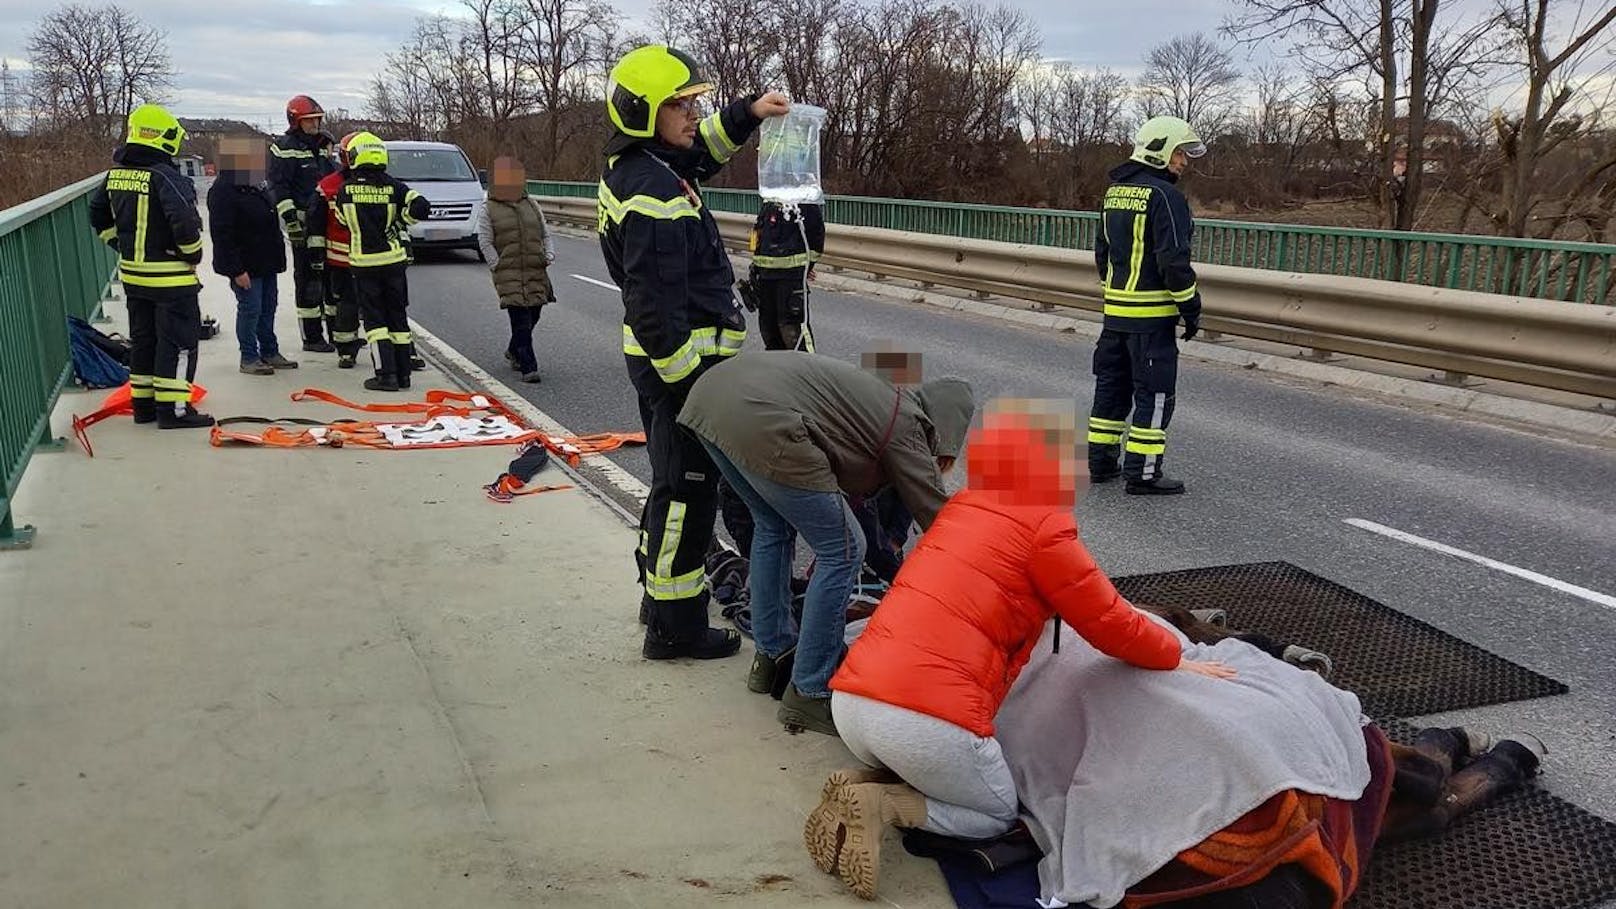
<point x="426" y="164"/>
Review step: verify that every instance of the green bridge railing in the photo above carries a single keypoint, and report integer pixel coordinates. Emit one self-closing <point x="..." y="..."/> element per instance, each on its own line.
<point x="51" y="266"/>
<point x="1545" y="269"/>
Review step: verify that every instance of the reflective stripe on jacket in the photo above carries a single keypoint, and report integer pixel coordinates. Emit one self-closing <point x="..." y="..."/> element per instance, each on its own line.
<point x="146" y="210"/>
<point x="663" y="249"/>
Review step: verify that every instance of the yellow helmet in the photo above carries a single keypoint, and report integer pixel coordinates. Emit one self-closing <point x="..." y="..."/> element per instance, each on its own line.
<point x="1159" y="137"/>
<point x="367" y="149"/>
<point x="155" y="127"/>
<point x="644" y="80"/>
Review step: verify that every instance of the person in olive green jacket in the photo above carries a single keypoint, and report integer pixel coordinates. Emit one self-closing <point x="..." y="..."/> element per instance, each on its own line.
<point x="516" y="242"/>
<point x="794" y="434"/>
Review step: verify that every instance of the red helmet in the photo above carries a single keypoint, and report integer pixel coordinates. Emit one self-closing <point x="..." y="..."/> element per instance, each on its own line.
<point x="343" y="145"/>
<point x="302" y="108"/>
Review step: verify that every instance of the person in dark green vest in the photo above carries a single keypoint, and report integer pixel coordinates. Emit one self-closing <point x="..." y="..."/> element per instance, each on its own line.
<point x="516" y="242"/>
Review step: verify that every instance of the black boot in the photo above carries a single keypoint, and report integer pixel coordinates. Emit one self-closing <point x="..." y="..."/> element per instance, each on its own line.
<point x="1160" y="486"/>
<point x="184" y="418"/>
<point x="381" y="382"/>
<point x="403" y="356"/>
<point x="319" y="345"/>
<point x="1104" y="473"/>
<point x="145" y="410"/>
<point x="679" y="629"/>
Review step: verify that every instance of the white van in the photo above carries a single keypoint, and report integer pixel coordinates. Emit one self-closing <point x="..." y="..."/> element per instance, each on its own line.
<point x="443" y="174"/>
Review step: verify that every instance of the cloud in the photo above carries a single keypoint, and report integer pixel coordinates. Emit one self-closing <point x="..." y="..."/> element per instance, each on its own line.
<point x="244" y="58"/>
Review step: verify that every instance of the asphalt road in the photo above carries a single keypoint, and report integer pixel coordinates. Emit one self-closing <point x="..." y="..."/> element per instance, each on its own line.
<point x="1275" y="469"/>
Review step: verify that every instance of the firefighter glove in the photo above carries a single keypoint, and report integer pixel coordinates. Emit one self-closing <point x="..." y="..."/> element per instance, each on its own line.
<point x="1192" y="327"/>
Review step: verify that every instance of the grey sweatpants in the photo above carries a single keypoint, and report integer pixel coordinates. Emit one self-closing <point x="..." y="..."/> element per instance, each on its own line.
<point x="967" y="784"/>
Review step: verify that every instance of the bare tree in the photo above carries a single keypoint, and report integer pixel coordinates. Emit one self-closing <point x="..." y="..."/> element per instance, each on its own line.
<point x="1193" y="78"/>
<point x="92" y="65"/>
<point x="1554" y="78"/>
<point x="495" y="32"/>
<point x="568" y="42"/>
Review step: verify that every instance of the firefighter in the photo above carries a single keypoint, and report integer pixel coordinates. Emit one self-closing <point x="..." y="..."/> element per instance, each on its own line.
<point x="786" y="242"/>
<point x="326" y="233"/>
<point x="147" y="211"/>
<point x="299" y="160"/>
<point x="1143" y="253"/>
<point x="663" y="249"/>
<point x="376" y="207"/>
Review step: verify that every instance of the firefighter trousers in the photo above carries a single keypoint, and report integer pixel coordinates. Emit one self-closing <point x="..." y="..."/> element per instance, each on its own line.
<point x="676" y="527"/>
<point x="342" y="306"/>
<point x="1135" y="371"/>
<point x="383" y="299"/>
<point x="308" y="294"/>
<point x="783" y="310"/>
<point x="164" y="331"/>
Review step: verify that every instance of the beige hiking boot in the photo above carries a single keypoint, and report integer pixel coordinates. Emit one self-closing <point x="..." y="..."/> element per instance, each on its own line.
<point x="823" y="833"/>
<point x="867" y="810"/>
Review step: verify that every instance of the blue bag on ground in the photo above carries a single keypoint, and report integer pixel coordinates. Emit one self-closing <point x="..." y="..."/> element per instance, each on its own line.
<point x="96" y="357"/>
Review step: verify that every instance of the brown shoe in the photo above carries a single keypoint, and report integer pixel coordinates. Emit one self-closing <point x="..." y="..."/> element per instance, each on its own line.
<point x="280" y="362"/>
<point x="867" y="810"/>
<point x="824" y="831"/>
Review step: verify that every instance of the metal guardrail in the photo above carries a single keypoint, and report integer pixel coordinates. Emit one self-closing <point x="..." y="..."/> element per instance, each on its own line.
<point x="1536" y="342"/>
<point x="1541" y="269"/>
<point x="51" y="266"/>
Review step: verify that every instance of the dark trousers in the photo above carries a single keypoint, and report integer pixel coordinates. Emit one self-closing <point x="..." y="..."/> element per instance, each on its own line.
<point x="783" y="311"/>
<point x="676" y="526"/>
<point x="342" y="306"/>
<point x="164" y="332"/>
<point x="384" y="302"/>
<point x="523" y="319"/>
<point x="308" y="293"/>
<point x="1135" y="371"/>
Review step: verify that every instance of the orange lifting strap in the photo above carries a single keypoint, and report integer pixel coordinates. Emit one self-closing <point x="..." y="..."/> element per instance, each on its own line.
<point x="298" y="433"/>
<point x="118" y="403"/>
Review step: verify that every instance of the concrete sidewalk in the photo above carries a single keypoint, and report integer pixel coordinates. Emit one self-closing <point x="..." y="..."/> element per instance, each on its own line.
<point x="317" y="677"/>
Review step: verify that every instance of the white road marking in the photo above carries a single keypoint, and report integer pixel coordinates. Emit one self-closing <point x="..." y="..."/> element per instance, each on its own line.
<point x="621" y="479"/>
<point x="596" y="281"/>
<point x="1592" y="596"/>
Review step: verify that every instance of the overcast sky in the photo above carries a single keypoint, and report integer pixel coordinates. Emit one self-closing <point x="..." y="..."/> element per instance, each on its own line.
<point x="244" y="58"/>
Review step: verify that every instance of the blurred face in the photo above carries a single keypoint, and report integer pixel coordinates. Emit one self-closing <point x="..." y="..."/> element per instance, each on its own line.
<point x="245" y="156"/>
<point x="509" y="179"/>
<point x="311" y="125"/>
<point x="1178" y="162"/>
<point x="1058" y="421"/>
<point x="676" y="121"/>
<point x="900" y="367"/>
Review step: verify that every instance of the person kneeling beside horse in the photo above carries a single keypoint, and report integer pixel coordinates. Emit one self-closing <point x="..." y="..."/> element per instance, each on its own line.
<point x="918" y="701"/>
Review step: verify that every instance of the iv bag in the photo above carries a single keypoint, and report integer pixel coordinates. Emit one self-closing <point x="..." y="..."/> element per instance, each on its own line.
<point x="788" y="156"/>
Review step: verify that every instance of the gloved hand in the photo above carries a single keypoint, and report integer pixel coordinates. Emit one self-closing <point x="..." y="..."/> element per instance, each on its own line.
<point x="1192" y="327"/>
<point x="294" y="226"/>
<point x="748" y="294"/>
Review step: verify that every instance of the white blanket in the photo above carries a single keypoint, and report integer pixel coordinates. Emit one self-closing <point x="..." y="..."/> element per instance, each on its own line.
<point x="1120" y="769"/>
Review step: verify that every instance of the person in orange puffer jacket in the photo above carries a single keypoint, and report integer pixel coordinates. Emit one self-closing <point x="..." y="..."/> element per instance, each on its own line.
<point x="918" y="691"/>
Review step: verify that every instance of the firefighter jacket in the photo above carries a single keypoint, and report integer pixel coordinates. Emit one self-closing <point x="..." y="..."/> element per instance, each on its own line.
<point x="663" y="249"/>
<point x="784" y="242"/>
<point x="297" y="164"/>
<point x="325" y="231"/>
<point x="1143" y="251"/>
<point x="376" y="208"/>
<point x="147" y="211"/>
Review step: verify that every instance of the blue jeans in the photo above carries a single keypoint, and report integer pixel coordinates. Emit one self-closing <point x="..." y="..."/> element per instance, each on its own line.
<point x="255" y="319"/>
<point x="828" y="526"/>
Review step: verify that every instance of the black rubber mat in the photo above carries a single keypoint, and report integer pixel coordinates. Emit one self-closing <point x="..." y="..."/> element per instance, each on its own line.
<point x="1528" y="850"/>
<point x="1398" y="665"/>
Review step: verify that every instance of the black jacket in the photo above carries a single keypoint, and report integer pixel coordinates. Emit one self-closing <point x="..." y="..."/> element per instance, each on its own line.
<point x="663" y="248"/>
<point x="245" y="230"/>
<point x="377" y="208"/>
<point x="146" y="210"/>
<point x="778" y="250"/>
<point x="1143" y="251"/>
<point x="297" y="162"/>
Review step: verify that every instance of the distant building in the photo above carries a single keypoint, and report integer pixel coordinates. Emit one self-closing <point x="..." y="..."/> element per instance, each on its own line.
<point x="190" y="165"/>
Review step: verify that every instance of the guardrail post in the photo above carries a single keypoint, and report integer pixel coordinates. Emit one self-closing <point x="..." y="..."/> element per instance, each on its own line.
<point x="1319" y="355"/>
<point x="11" y="536"/>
